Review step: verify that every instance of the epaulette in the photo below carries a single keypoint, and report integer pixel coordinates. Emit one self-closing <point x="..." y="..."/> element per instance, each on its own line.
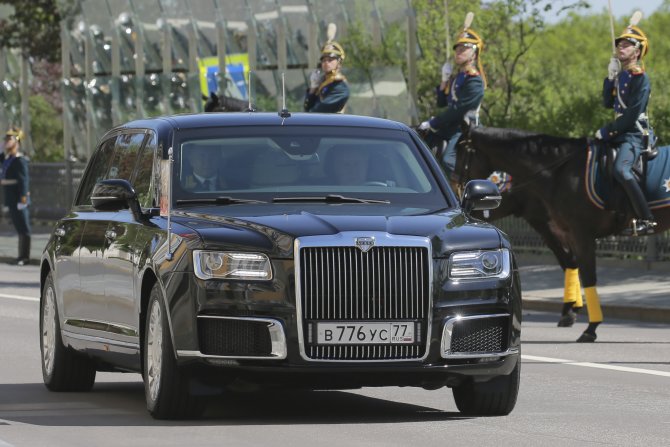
<point x="472" y="71"/>
<point x="636" y="70"/>
<point x="339" y="77"/>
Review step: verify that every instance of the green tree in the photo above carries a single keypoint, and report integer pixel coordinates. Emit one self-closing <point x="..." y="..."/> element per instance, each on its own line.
<point x="47" y="130"/>
<point x="34" y="27"/>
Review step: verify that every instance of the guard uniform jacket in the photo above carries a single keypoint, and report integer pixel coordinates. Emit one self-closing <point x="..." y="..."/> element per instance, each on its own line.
<point x="14" y="178"/>
<point x="464" y="92"/>
<point x="331" y="96"/>
<point x="633" y="88"/>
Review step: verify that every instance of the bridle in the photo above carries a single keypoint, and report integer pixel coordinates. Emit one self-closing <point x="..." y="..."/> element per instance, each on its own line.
<point x="465" y="168"/>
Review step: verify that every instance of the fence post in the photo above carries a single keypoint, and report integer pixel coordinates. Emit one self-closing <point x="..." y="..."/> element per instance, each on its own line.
<point x="652" y="249"/>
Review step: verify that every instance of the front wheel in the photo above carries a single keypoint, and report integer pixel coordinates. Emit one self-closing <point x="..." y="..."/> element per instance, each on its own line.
<point x="62" y="368"/>
<point x="497" y="397"/>
<point x="166" y="387"/>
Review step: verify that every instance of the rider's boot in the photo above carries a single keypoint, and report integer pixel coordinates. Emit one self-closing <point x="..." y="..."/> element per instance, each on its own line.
<point x="646" y="223"/>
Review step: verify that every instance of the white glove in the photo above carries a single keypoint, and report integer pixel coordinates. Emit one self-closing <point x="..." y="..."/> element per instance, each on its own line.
<point x="599" y="136"/>
<point x="425" y="126"/>
<point x="21" y="206"/>
<point x="613" y="68"/>
<point x="446" y="71"/>
<point x="315" y="79"/>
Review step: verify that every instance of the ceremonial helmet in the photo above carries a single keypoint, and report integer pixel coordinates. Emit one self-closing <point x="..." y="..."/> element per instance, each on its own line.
<point x="14" y="132"/>
<point x="470" y="38"/>
<point x="332" y="49"/>
<point x="634" y="35"/>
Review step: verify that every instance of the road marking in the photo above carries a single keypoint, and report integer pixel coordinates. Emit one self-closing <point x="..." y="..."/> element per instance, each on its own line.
<point x="596" y="365"/>
<point x="18" y="297"/>
<point x="5" y="444"/>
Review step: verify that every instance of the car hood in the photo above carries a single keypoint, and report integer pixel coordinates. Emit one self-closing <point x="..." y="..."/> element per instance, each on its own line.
<point x="275" y="233"/>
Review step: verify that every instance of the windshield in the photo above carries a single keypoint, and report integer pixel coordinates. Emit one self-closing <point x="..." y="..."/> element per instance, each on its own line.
<point x="281" y="163"/>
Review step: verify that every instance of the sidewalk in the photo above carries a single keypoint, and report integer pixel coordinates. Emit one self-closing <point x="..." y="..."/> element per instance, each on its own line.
<point x="627" y="289"/>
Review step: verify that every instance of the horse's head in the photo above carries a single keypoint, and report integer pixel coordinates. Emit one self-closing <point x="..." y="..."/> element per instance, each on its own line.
<point x="216" y="103"/>
<point x="469" y="163"/>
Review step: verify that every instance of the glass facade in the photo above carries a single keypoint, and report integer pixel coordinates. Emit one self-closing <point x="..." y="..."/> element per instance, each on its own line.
<point x="129" y="59"/>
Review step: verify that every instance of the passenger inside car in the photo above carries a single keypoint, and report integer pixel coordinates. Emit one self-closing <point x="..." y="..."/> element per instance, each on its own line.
<point x="201" y="169"/>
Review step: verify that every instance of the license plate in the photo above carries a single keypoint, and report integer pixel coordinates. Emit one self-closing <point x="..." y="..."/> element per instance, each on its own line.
<point x="361" y="333"/>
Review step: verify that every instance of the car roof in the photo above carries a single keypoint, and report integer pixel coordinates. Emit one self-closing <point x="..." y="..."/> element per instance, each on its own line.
<point x="226" y="119"/>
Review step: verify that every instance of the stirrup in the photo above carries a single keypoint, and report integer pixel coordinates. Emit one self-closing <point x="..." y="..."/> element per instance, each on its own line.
<point x="640" y="228"/>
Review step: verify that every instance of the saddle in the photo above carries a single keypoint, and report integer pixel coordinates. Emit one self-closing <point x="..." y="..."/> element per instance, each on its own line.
<point x="652" y="171"/>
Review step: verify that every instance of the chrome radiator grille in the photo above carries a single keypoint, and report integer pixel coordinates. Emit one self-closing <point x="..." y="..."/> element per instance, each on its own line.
<point x="345" y="284"/>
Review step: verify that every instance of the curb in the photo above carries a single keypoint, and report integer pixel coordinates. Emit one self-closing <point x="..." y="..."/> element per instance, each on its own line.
<point x="636" y="313"/>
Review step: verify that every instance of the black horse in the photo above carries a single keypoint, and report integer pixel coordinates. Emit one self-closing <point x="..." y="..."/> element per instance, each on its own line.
<point x="216" y="103"/>
<point x="553" y="172"/>
<point x="520" y="202"/>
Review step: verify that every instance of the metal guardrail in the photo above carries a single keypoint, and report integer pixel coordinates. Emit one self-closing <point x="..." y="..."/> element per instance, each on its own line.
<point x="53" y="188"/>
<point x="648" y="248"/>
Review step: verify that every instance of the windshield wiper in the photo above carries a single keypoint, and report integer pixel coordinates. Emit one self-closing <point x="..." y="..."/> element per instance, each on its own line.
<point x="330" y="198"/>
<point x="222" y="200"/>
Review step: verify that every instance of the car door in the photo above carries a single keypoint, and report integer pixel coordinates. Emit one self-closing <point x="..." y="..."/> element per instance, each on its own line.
<point x="120" y="254"/>
<point x="79" y="279"/>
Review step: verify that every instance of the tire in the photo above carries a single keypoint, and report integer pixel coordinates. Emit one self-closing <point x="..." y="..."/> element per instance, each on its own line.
<point x="166" y="387"/>
<point x="497" y="397"/>
<point x="62" y="368"/>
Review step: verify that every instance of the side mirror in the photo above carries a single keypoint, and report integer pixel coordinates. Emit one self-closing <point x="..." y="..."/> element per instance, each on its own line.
<point x="113" y="195"/>
<point x="480" y="195"/>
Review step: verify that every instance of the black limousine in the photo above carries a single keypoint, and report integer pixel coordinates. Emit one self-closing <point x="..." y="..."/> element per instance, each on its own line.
<point x="212" y="250"/>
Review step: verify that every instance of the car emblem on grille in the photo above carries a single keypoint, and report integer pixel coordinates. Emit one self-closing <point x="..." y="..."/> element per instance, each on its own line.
<point x="364" y="243"/>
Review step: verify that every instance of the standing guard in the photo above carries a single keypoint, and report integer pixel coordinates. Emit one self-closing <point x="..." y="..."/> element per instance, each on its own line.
<point x="461" y="92"/>
<point x="627" y="91"/>
<point x="15" y="182"/>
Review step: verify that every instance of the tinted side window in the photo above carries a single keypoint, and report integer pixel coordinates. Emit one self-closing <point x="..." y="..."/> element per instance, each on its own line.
<point x="143" y="177"/>
<point x="125" y="155"/>
<point x="97" y="168"/>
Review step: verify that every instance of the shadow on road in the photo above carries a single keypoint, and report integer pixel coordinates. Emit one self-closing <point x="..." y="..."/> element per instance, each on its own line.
<point x="122" y="404"/>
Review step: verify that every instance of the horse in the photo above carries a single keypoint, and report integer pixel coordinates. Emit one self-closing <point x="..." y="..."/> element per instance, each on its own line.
<point x="520" y="202"/>
<point x="554" y="172"/>
<point x="222" y="103"/>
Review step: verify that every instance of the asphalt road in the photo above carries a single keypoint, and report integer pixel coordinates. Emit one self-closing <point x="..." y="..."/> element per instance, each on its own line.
<point x="613" y="392"/>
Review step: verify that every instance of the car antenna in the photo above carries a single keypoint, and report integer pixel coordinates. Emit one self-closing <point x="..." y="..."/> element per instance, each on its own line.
<point x="168" y="255"/>
<point x="284" y="113"/>
<point x="250" y="108"/>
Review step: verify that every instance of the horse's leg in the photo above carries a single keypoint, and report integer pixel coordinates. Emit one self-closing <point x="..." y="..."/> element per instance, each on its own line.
<point x="572" y="298"/>
<point x="572" y="293"/>
<point x="586" y="257"/>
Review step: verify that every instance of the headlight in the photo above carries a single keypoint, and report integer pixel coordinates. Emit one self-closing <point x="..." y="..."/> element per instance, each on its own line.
<point x="479" y="264"/>
<point x="231" y="265"/>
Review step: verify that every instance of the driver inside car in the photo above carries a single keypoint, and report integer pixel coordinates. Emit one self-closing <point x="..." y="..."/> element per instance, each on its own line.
<point x="348" y="165"/>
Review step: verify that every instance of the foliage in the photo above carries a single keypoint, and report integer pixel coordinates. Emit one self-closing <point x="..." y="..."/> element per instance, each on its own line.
<point x="34" y="27"/>
<point x="46" y="131"/>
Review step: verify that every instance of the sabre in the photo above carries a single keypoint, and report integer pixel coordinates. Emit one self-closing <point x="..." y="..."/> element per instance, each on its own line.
<point x="447" y="42"/>
<point x="609" y="5"/>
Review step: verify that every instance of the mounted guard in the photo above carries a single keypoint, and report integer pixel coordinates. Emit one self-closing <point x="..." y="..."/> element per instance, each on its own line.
<point x="460" y="92"/>
<point x="626" y="89"/>
<point x="328" y="90"/>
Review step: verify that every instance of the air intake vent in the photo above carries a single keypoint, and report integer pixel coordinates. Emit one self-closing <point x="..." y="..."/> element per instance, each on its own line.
<point x="479" y="335"/>
<point x="234" y="338"/>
